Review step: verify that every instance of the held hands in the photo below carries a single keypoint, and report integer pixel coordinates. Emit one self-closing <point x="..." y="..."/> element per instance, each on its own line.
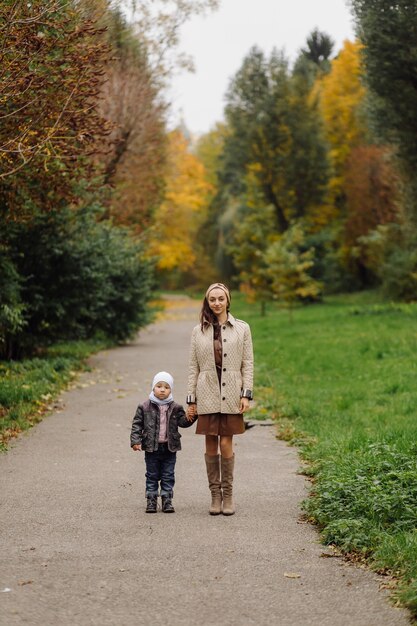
<point x="191" y="412"/>
<point x="137" y="447"/>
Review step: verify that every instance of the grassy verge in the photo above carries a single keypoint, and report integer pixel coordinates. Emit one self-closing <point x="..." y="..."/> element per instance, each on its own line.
<point x="341" y="381"/>
<point x="29" y="387"/>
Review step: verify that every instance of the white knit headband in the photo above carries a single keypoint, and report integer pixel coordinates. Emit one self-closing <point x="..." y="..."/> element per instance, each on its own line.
<point x="219" y="286"/>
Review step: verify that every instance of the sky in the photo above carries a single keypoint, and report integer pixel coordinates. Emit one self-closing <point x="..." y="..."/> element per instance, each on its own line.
<point x="219" y="42"/>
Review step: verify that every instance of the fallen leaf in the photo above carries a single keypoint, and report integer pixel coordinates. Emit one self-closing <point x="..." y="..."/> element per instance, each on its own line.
<point x="25" y="582"/>
<point x="291" y="575"/>
<point x="5" y="590"/>
<point x="328" y="555"/>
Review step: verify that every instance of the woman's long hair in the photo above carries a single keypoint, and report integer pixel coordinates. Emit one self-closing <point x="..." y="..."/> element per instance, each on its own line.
<point x="207" y="317"/>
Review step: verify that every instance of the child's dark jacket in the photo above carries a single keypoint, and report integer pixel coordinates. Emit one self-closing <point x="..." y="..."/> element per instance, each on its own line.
<point x="145" y="426"/>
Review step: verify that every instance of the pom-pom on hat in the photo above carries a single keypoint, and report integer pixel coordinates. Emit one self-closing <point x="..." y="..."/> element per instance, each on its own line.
<point x="163" y="377"/>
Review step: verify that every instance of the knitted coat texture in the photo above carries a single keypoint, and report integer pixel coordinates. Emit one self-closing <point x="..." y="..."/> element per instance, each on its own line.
<point x="237" y="367"/>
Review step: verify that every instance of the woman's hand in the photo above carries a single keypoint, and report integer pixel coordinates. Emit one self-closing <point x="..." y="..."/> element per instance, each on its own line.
<point x="137" y="447"/>
<point x="244" y="405"/>
<point x="191" y="412"/>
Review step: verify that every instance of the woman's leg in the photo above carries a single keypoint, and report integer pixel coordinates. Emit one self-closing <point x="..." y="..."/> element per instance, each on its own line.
<point x="213" y="473"/>
<point x="212" y="444"/>
<point x="226" y="446"/>
<point x="227" y="463"/>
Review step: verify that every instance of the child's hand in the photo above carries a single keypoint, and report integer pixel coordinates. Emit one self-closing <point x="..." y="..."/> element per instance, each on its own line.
<point x="137" y="447"/>
<point x="191" y="412"/>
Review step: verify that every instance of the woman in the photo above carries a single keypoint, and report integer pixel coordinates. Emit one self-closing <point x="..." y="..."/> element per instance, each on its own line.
<point x="220" y="383"/>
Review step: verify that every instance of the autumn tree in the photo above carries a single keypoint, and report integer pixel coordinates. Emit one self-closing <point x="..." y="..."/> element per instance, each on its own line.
<point x="372" y="187"/>
<point x="134" y="154"/>
<point x="388" y="32"/>
<point x="51" y="72"/>
<point x="64" y="275"/>
<point x="341" y="98"/>
<point x="212" y="235"/>
<point x="177" y="220"/>
<point x="158" y="25"/>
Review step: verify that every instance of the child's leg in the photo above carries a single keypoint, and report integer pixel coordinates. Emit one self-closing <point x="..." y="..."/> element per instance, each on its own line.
<point x="152" y="473"/>
<point x="168" y="473"/>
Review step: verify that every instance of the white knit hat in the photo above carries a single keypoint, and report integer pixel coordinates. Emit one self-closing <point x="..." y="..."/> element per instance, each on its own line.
<point x="163" y="377"/>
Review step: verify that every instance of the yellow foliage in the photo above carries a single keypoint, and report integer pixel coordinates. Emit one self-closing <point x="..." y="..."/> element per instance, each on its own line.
<point x="340" y="94"/>
<point x="183" y="210"/>
<point x="209" y="149"/>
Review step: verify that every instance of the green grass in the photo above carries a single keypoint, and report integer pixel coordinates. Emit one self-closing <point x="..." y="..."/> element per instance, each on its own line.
<point x="341" y="381"/>
<point x="28" y="387"/>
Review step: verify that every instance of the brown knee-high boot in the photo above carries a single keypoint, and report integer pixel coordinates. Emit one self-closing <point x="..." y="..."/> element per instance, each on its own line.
<point x="227" y="466"/>
<point x="213" y="475"/>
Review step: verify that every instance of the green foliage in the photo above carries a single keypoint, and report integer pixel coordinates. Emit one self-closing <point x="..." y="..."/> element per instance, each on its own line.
<point x="400" y="273"/>
<point x="252" y="235"/>
<point x="319" y="49"/>
<point x="275" y="132"/>
<point x="370" y="491"/>
<point x="78" y="277"/>
<point x="392" y="255"/>
<point x="28" y="388"/>
<point x="289" y="267"/>
<point x="12" y="319"/>
<point x="344" y="375"/>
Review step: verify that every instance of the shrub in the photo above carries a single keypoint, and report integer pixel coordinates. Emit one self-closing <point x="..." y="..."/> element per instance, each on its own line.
<point x="77" y="277"/>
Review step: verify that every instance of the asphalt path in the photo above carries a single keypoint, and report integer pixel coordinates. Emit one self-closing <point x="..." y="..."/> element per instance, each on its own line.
<point x="77" y="547"/>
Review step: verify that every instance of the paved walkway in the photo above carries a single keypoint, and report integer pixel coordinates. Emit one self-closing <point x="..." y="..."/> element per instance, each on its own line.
<point x="78" y="549"/>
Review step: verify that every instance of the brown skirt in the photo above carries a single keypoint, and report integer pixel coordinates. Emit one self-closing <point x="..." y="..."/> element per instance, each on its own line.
<point x="223" y="424"/>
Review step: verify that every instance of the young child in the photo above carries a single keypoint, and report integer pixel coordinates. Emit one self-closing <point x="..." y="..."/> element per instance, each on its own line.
<point x="155" y="430"/>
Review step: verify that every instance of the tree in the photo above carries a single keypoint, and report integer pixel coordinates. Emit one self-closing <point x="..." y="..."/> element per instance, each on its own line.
<point x="319" y="49"/>
<point x="158" y="24"/>
<point x="255" y="230"/>
<point x="341" y="97"/>
<point x="289" y="267"/>
<point x="51" y="71"/>
<point x="211" y="235"/>
<point x="275" y="130"/>
<point x="134" y="155"/>
<point x="177" y="220"/>
<point x="388" y="32"/>
<point x="70" y="276"/>
<point x="372" y="187"/>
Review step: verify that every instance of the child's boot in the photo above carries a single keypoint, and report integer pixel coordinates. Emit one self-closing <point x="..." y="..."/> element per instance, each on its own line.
<point x="151" y="503"/>
<point x="213" y="475"/>
<point x="167" y="506"/>
<point x="227" y="484"/>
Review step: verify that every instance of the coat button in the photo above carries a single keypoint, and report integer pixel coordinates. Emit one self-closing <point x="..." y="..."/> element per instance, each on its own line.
<point x="223" y="398"/>
<point x="224" y="327"/>
<point x="225" y="354"/>
<point x="224" y="384"/>
<point x="224" y="369"/>
<point x="224" y="340"/>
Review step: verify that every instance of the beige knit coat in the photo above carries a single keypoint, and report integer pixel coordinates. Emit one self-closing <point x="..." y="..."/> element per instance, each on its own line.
<point x="237" y="368"/>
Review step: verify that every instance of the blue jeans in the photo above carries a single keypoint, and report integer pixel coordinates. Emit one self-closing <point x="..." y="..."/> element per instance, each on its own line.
<point x="160" y="468"/>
